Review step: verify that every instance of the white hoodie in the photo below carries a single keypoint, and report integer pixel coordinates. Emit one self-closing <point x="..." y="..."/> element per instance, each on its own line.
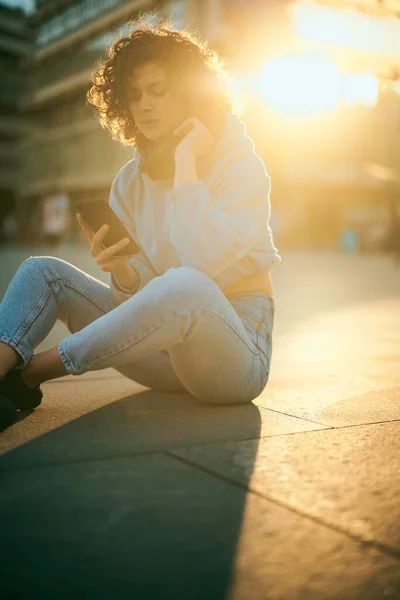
<point x="219" y="224"/>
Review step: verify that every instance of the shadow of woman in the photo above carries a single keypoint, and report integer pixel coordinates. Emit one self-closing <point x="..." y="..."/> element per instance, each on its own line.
<point x="118" y="501"/>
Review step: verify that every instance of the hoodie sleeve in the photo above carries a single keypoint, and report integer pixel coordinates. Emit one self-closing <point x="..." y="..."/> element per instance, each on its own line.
<point x="122" y="188"/>
<point x="212" y="230"/>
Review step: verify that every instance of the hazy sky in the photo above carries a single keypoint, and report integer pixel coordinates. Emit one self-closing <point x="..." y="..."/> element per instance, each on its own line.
<point x="27" y="5"/>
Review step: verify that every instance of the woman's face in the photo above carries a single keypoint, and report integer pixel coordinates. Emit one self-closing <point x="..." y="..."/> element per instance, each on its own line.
<point x="150" y="98"/>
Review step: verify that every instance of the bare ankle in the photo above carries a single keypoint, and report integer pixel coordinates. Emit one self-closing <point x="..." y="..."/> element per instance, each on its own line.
<point x="30" y="374"/>
<point x="28" y="380"/>
<point x="8" y="358"/>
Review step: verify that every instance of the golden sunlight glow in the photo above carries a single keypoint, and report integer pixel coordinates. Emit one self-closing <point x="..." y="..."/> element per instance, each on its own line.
<point x="346" y="27"/>
<point x="360" y="88"/>
<point x="300" y="85"/>
<point x="303" y="85"/>
<point x="312" y="78"/>
<point x="396" y="87"/>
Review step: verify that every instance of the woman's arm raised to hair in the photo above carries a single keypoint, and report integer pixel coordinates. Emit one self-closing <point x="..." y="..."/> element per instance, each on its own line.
<point x="226" y="222"/>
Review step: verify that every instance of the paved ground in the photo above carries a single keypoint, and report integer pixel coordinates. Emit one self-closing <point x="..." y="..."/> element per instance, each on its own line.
<point x="109" y="490"/>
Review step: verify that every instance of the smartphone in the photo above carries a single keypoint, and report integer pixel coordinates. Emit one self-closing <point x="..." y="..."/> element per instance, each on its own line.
<point x="97" y="213"/>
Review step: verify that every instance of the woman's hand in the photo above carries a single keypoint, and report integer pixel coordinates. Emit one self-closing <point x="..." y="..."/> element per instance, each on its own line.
<point x="103" y="255"/>
<point x="197" y="141"/>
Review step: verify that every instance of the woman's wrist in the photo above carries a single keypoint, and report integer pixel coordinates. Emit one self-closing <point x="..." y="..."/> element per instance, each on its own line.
<point x="126" y="276"/>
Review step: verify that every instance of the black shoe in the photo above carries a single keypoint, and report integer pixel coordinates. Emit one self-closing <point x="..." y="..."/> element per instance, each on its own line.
<point x="8" y="412"/>
<point x="13" y="387"/>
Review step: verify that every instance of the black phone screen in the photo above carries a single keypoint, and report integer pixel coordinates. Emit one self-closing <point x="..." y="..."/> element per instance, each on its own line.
<point x="98" y="213"/>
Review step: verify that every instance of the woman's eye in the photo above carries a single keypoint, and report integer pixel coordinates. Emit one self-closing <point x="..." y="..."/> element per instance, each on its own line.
<point x="159" y="92"/>
<point x="135" y="95"/>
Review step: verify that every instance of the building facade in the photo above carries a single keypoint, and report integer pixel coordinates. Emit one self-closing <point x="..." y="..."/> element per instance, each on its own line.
<point x="16" y="42"/>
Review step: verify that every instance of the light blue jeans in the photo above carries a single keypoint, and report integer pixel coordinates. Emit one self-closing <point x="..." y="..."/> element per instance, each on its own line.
<point x="179" y="333"/>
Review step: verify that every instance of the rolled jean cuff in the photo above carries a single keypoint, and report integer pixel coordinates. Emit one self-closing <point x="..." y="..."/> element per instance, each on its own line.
<point x="24" y="352"/>
<point x="66" y="360"/>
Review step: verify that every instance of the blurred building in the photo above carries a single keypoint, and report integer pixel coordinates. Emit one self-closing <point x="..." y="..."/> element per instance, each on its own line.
<point x="321" y="84"/>
<point x="16" y="41"/>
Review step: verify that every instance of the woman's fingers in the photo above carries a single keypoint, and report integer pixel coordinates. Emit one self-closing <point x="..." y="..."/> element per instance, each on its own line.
<point x="104" y="256"/>
<point x="112" y="264"/>
<point x="97" y="240"/>
<point x="107" y="254"/>
<point x="185" y="127"/>
<point x="85" y="227"/>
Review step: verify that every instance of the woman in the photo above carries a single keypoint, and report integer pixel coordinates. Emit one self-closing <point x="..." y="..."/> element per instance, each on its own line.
<point x="193" y="311"/>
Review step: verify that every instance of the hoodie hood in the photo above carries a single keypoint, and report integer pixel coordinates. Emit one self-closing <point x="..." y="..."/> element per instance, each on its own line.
<point x="234" y="136"/>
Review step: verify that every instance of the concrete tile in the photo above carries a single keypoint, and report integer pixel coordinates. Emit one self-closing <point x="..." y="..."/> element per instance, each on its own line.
<point x="348" y="478"/>
<point x="153" y="527"/>
<point x="308" y="284"/>
<point x="340" y="366"/>
<point x="331" y="406"/>
<point x="93" y="418"/>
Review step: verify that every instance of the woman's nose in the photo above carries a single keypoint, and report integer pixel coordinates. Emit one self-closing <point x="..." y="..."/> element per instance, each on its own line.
<point x="144" y="102"/>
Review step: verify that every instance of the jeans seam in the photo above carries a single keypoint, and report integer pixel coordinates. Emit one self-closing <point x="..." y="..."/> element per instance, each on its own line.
<point x="15" y="342"/>
<point x="74" y="287"/>
<point x="67" y="363"/>
<point x="111" y="354"/>
<point x="33" y="315"/>
<point x="262" y="322"/>
<point x="261" y="352"/>
<point x="42" y="303"/>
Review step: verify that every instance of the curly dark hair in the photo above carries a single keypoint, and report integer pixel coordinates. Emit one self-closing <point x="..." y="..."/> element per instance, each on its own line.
<point x="192" y="67"/>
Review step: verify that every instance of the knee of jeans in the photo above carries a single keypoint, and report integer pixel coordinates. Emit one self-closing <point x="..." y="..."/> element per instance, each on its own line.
<point x="189" y="280"/>
<point x="46" y="266"/>
<point x="40" y="263"/>
<point x="190" y="272"/>
<point x="34" y="261"/>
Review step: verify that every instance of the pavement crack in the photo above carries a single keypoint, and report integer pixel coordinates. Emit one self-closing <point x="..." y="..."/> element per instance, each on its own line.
<point x="78" y="461"/>
<point x="281" y="412"/>
<point x="388" y="550"/>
